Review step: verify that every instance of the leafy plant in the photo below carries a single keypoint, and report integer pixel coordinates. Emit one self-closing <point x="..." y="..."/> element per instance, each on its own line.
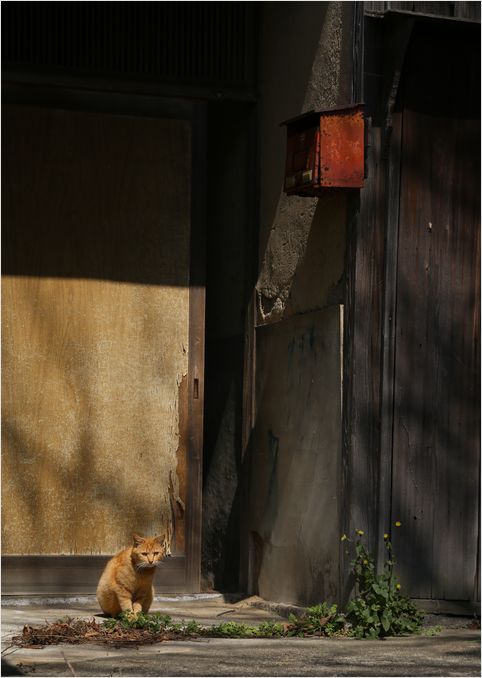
<point x="320" y="620"/>
<point x="379" y="609"/>
<point x="193" y="628"/>
<point x="156" y="622"/>
<point x="232" y="630"/>
<point x="270" y="629"/>
<point x="432" y="630"/>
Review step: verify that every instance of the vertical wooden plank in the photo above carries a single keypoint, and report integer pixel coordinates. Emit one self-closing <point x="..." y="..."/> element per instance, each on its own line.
<point x="466" y="10"/>
<point x="197" y="302"/>
<point x="458" y="406"/>
<point x="476" y="595"/>
<point x="388" y="336"/>
<point x="436" y="8"/>
<point x="374" y="7"/>
<point x="404" y="6"/>
<point x="247" y="579"/>
<point x="358" y="85"/>
<point x="413" y="463"/>
<point x="361" y="380"/>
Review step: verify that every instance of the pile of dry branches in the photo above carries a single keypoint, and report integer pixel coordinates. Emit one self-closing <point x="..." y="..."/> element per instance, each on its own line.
<point x="76" y="631"/>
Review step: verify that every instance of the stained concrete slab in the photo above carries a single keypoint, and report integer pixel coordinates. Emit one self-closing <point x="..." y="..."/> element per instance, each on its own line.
<point x="453" y="652"/>
<point x="296" y="448"/>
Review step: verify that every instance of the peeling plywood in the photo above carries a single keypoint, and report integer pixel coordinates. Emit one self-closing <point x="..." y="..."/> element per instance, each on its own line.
<point x="95" y="329"/>
<point x="178" y="479"/>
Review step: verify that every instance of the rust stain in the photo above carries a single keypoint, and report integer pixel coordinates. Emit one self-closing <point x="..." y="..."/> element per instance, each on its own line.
<point x="325" y="150"/>
<point x="342" y="150"/>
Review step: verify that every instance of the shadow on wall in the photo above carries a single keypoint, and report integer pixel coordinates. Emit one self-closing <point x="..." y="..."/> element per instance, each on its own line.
<point x="437" y="416"/>
<point x="220" y="537"/>
<point x="95" y="330"/>
<point x="88" y="203"/>
<point x="310" y="45"/>
<point x="436" y="434"/>
<point x="435" y="483"/>
<point x="311" y="274"/>
<point x="81" y="439"/>
<point x="435" y="488"/>
<point x="295" y="448"/>
<point x="300" y="48"/>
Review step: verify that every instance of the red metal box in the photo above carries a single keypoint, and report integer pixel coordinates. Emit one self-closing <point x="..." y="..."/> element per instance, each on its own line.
<point x="325" y="149"/>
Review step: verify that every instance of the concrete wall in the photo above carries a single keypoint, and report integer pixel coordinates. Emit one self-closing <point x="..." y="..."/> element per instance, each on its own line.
<point x="305" y="64"/>
<point x="294" y="475"/>
<point x="294" y="512"/>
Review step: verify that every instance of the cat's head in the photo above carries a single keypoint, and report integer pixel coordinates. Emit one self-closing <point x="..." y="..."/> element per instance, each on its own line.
<point x="148" y="552"/>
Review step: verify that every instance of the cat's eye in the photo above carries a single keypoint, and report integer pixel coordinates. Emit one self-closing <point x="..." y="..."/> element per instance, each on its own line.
<point x="143" y="554"/>
<point x="156" y="553"/>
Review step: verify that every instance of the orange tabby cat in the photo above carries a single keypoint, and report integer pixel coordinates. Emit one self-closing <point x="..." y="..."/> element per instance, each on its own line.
<point x="126" y="583"/>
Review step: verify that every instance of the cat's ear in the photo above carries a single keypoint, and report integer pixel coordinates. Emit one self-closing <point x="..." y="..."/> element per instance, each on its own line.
<point x="137" y="540"/>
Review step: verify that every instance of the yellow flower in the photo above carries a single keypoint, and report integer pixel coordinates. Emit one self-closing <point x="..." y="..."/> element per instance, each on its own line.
<point x="360" y="532"/>
<point x="365" y="562"/>
<point x="344" y="537"/>
<point x="385" y="536"/>
<point x="398" y="587"/>
<point x="398" y="524"/>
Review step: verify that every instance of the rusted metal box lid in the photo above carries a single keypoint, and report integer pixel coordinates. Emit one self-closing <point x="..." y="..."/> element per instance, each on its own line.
<point x="325" y="149"/>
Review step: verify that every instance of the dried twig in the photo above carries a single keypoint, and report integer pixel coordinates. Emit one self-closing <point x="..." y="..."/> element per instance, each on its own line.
<point x="8" y="648"/>
<point x="69" y="664"/>
<point x="83" y="631"/>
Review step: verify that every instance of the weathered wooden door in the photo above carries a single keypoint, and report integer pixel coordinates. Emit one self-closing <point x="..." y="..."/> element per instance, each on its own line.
<point x="436" y="397"/>
<point x="102" y="344"/>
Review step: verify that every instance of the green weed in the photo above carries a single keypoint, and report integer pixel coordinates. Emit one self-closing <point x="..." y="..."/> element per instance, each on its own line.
<point x="431" y="631"/>
<point x="321" y="620"/>
<point x="155" y="622"/>
<point x="379" y="609"/>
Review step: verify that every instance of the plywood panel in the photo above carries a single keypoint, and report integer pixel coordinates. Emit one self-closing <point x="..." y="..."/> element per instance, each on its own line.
<point x="95" y="328"/>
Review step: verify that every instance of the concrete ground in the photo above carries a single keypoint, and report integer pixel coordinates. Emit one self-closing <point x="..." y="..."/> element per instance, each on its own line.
<point x="453" y="652"/>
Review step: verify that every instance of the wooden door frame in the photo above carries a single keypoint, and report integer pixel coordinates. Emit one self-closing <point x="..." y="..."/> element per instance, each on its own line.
<point x="62" y="574"/>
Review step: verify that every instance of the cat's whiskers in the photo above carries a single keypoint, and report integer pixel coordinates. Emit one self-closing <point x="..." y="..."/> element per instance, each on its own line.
<point x="147" y="566"/>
